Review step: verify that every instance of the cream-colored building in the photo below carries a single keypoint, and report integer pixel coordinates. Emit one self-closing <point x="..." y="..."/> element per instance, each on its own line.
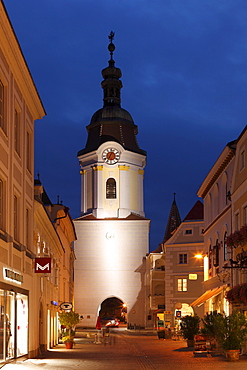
<point x="174" y="275"/>
<point x="239" y="210"/>
<point x="216" y="191"/>
<point x="30" y="226"/>
<point x="20" y="106"/>
<point x="53" y="237"/>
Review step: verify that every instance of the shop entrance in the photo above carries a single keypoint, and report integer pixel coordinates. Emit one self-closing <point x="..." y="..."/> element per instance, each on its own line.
<point x="13" y="324"/>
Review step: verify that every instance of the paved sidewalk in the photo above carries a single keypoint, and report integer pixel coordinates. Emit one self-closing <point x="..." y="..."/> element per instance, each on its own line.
<point x="126" y="351"/>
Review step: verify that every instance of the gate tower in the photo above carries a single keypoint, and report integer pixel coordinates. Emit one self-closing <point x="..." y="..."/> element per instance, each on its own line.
<point x="112" y="231"/>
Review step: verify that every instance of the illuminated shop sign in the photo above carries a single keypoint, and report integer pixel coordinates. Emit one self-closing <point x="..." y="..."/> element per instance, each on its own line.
<point x="42" y="265"/>
<point x="13" y="276"/>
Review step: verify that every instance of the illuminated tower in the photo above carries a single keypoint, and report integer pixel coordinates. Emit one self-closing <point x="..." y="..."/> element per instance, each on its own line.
<point x="112" y="231"/>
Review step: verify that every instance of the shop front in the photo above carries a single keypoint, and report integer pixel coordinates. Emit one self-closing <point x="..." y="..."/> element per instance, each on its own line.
<point x="14" y="322"/>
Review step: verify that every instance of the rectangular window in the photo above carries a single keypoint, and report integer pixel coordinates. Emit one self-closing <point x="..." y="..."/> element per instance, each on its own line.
<point x="237" y="226"/>
<point x="188" y="232"/>
<point x="16" y="231"/>
<point x="245" y="215"/>
<point x="17" y="132"/>
<point x="2" y="125"/>
<point x="27" y="228"/>
<point x="182" y="258"/>
<point x="182" y="285"/>
<point x="28" y="151"/>
<point x="242" y="160"/>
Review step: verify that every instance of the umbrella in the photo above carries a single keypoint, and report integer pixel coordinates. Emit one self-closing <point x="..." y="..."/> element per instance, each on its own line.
<point x="98" y="324"/>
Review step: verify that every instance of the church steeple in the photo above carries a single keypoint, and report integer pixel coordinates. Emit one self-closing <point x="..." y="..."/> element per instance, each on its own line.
<point x="111" y="84"/>
<point x="112" y="123"/>
<point x="174" y="220"/>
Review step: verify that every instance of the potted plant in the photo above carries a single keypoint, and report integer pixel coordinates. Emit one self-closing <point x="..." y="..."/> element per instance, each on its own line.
<point x="69" y="320"/>
<point x="231" y="333"/>
<point x="209" y="328"/>
<point x="189" y="327"/>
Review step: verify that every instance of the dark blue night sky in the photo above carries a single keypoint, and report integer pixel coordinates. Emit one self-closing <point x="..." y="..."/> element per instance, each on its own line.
<point x="184" y="66"/>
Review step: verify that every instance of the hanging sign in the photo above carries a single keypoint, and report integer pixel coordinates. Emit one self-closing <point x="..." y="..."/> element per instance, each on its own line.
<point x="66" y="306"/>
<point x="42" y="265"/>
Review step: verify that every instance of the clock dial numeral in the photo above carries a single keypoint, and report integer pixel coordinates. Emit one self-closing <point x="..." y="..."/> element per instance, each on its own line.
<point x="111" y="155"/>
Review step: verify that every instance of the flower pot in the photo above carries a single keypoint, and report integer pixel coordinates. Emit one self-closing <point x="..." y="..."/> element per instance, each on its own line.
<point x="232" y="354"/>
<point x="69" y="345"/>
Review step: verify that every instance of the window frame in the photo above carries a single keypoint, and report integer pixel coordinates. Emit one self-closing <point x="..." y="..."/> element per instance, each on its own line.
<point x="17" y="144"/>
<point x="242" y="159"/>
<point x="2" y="106"/>
<point x="182" y="285"/>
<point x="16" y="218"/>
<point x="183" y="258"/>
<point x="2" y="221"/>
<point x="111" y="188"/>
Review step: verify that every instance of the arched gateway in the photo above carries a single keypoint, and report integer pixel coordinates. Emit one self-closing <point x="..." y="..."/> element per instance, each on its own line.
<point x="112" y="231"/>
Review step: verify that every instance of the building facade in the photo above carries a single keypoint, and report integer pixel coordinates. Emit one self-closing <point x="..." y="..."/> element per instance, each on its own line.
<point x="174" y="271"/>
<point x="53" y="242"/>
<point x="225" y="199"/>
<point x="20" y="106"/>
<point x="112" y="231"/>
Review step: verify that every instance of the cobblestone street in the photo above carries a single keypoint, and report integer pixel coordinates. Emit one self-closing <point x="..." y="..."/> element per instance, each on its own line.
<point x="124" y="351"/>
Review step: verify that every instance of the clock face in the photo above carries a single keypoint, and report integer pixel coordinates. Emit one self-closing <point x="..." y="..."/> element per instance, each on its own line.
<point x="111" y="155"/>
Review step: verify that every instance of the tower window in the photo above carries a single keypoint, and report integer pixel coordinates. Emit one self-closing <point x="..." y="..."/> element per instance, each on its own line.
<point x="111" y="189"/>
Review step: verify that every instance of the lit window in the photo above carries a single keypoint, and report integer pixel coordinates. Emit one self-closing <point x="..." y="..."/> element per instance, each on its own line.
<point x="182" y="285"/>
<point x="182" y="258"/>
<point x="111" y="189"/>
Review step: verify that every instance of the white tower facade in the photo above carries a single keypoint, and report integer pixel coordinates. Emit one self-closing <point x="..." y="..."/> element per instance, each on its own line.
<point x="112" y="231"/>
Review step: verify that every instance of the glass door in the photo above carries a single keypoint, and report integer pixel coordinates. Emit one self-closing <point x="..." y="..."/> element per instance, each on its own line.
<point x="21" y="324"/>
<point x="9" y="321"/>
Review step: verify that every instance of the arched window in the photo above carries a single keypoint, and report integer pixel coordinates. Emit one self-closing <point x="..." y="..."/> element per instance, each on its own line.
<point x="111" y="189"/>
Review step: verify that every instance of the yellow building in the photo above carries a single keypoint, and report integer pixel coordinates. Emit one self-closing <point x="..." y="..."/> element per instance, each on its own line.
<point x="224" y="191"/>
<point x="238" y="262"/>
<point x="20" y="106"/>
<point x="53" y="237"/>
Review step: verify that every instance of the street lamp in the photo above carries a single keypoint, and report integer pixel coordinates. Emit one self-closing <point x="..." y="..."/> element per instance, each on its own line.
<point x="205" y="264"/>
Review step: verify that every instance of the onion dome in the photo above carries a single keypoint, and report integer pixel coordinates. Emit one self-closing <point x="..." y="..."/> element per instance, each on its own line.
<point x="112" y="123"/>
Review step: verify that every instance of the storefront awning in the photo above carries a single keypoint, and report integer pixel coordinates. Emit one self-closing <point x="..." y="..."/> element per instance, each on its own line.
<point x="207" y="295"/>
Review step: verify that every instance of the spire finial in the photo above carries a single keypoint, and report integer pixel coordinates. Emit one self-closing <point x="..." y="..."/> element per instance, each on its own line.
<point x="111" y="46"/>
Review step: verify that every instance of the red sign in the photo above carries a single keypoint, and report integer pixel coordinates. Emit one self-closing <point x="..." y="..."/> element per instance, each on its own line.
<point x="42" y="265"/>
